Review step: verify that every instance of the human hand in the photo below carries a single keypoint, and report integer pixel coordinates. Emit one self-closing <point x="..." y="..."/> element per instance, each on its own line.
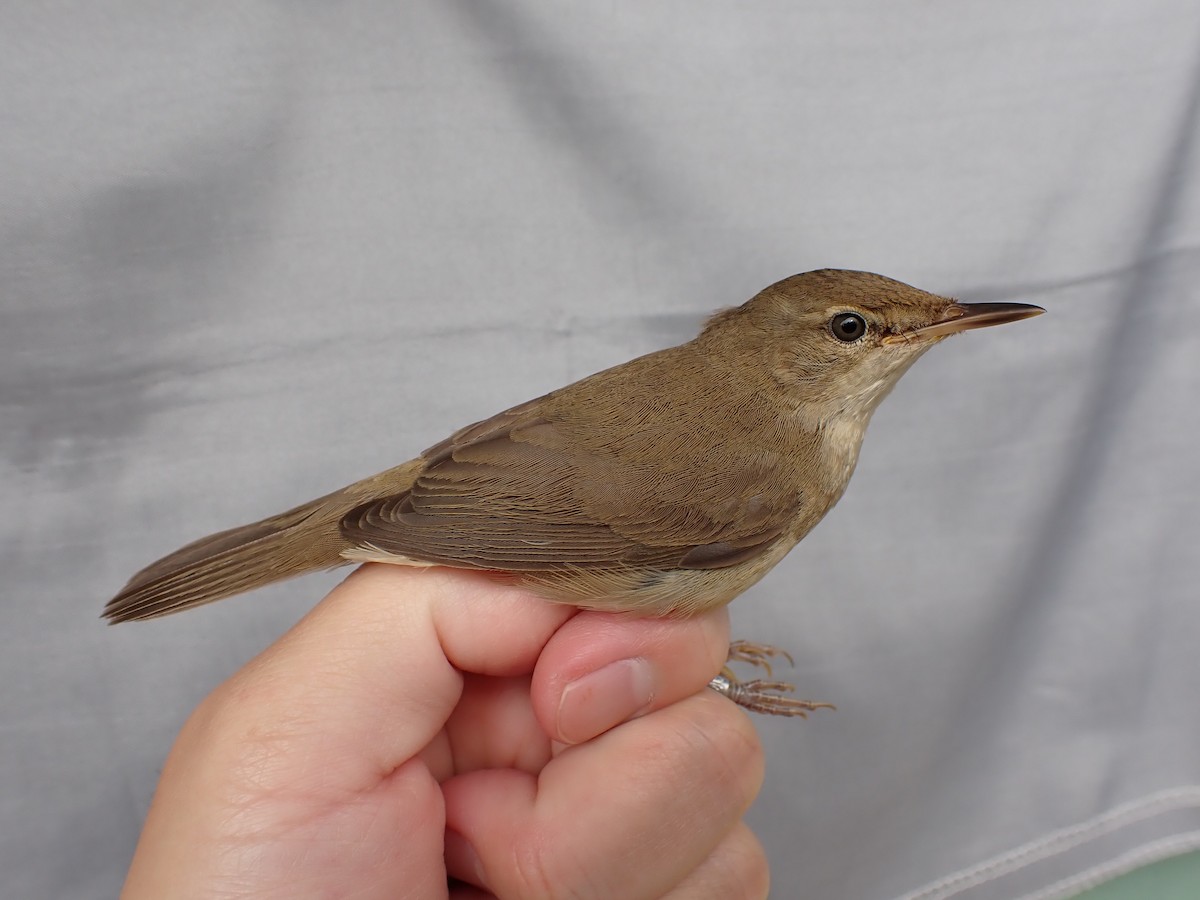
<point x="421" y="724"/>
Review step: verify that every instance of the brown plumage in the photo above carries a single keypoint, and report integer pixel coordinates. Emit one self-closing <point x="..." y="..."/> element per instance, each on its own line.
<point x="665" y="485"/>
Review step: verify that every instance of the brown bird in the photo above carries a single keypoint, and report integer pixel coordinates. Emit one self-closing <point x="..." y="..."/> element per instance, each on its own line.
<point x="664" y="486"/>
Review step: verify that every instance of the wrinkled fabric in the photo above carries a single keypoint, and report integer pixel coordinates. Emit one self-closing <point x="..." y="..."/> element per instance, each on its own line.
<point x="251" y="252"/>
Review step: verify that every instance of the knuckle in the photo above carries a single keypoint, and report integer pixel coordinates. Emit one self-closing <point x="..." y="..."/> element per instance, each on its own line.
<point x="752" y="871"/>
<point x="729" y="745"/>
<point x="736" y="870"/>
<point x="532" y="871"/>
<point x="541" y="870"/>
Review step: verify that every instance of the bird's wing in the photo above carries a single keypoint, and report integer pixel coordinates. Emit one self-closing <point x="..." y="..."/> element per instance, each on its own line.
<point x="520" y="492"/>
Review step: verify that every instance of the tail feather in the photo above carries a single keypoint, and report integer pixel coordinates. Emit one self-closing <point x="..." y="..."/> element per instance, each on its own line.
<point x="301" y="540"/>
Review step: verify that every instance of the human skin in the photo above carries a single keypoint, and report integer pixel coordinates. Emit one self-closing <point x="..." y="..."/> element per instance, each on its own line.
<point x="426" y="724"/>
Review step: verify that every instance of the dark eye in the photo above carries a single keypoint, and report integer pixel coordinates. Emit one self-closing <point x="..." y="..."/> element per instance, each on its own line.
<point x="848" y="327"/>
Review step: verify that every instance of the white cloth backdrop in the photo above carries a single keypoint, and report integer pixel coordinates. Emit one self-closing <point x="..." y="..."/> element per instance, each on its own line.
<point x="252" y="251"/>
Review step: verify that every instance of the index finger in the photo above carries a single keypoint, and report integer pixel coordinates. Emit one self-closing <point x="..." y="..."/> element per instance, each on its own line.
<point x="371" y="675"/>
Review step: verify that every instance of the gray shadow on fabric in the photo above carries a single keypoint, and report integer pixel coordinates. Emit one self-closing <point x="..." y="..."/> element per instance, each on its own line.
<point x="150" y="259"/>
<point x="103" y="339"/>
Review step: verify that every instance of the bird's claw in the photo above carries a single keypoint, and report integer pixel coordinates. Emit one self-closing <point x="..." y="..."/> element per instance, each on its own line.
<point x="757" y="655"/>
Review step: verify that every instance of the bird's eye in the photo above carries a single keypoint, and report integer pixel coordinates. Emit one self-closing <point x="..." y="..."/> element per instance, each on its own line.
<point x="848" y="327"/>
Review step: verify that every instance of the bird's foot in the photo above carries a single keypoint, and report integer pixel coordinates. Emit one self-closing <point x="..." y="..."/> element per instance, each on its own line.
<point x="765" y="697"/>
<point x="760" y="696"/>
<point x="757" y="655"/>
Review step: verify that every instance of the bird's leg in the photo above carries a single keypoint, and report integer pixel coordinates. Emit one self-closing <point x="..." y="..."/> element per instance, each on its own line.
<point x="760" y="696"/>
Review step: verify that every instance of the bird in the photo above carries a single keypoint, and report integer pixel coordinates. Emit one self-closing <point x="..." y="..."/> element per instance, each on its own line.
<point x="664" y="486"/>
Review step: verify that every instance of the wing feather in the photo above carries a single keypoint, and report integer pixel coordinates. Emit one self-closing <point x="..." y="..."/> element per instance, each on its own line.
<point x="520" y="492"/>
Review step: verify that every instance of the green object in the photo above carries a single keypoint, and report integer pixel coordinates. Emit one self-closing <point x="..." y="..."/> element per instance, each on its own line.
<point x="1177" y="878"/>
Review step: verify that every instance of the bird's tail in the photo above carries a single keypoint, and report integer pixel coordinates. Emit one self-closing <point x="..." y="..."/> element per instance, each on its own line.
<point x="300" y="540"/>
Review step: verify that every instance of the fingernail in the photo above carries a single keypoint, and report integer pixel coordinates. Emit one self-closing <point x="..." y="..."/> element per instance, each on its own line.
<point x="462" y="862"/>
<point x="609" y="696"/>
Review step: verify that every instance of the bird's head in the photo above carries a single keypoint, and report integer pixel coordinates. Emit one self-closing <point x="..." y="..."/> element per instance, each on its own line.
<point x="837" y="341"/>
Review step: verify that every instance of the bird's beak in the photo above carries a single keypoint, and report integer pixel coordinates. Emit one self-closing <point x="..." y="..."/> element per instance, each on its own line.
<point x="966" y="316"/>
